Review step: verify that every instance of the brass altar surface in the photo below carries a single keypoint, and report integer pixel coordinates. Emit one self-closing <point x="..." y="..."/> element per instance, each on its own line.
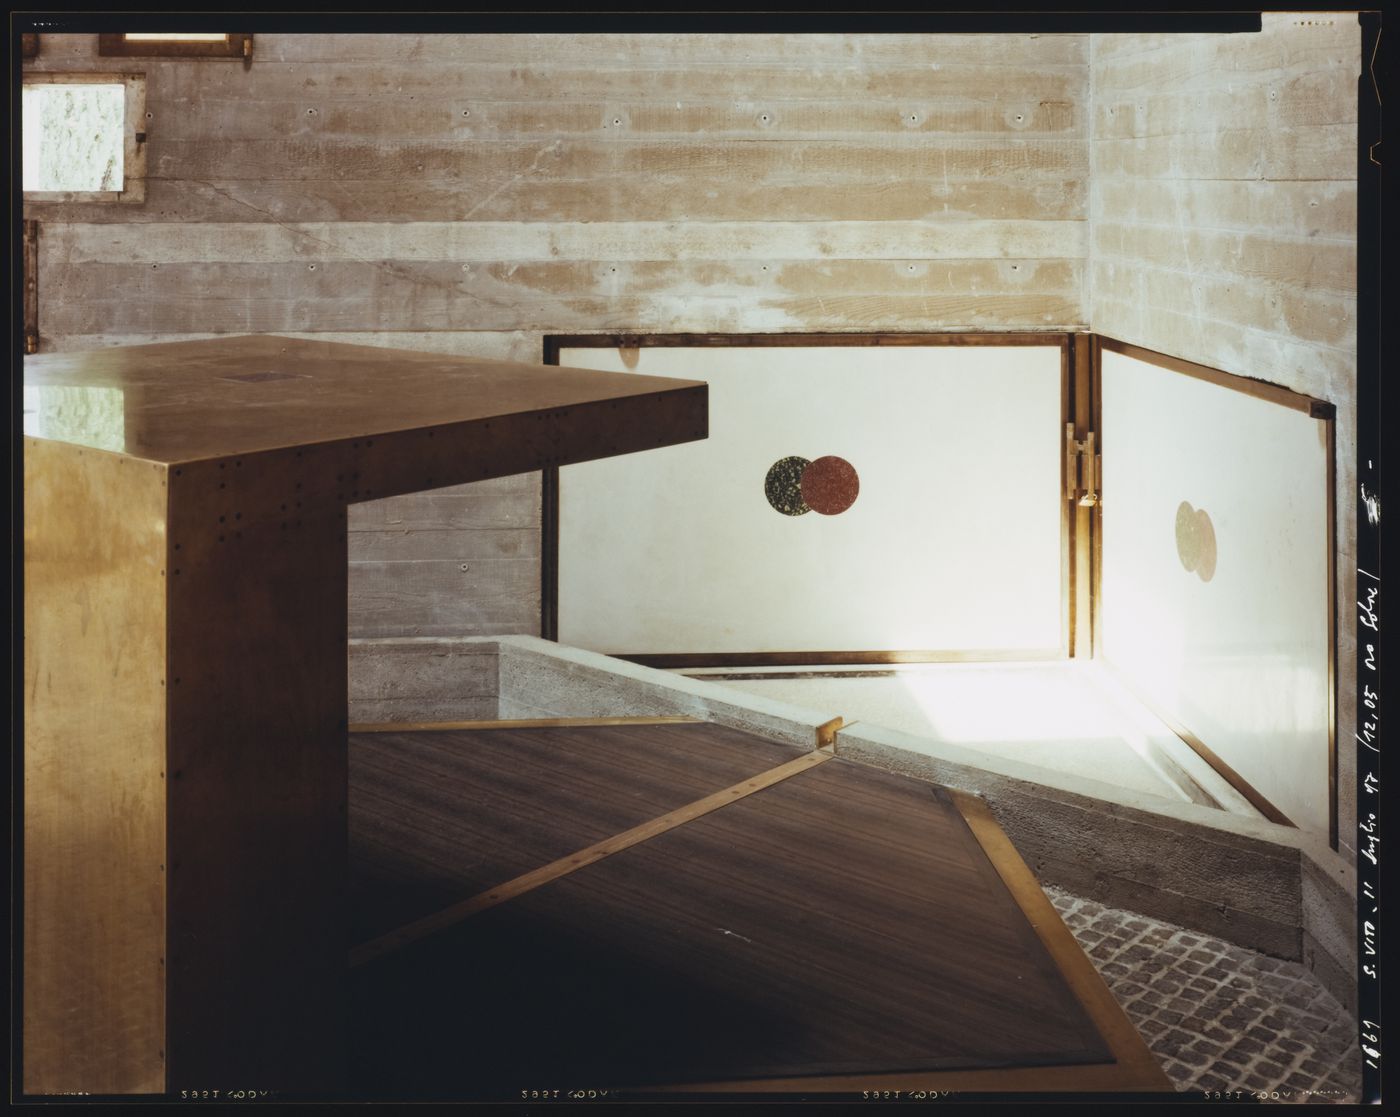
<point x="195" y="400"/>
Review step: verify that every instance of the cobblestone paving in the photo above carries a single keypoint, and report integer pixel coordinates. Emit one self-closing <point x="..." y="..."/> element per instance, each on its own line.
<point x="1217" y="1016"/>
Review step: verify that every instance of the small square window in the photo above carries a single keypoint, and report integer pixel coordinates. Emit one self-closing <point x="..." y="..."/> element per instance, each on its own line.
<point x="83" y="137"/>
<point x="73" y="136"/>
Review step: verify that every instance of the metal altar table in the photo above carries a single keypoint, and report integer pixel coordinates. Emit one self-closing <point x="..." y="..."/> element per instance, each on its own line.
<point x="185" y="771"/>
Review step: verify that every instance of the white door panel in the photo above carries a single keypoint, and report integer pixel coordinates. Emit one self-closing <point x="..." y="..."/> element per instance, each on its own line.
<point x="1215" y="592"/>
<point x="953" y="542"/>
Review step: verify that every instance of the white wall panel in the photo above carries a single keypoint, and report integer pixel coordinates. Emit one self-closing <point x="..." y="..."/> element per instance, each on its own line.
<point x="1227" y="637"/>
<point x="953" y="543"/>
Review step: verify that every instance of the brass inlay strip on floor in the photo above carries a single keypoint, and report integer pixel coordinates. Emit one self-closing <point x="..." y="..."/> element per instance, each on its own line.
<point x="826" y="734"/>
<point x="456" y="913"/>
<point x="1251" y="793"/>
<point x="1133" y="1069"/>
<point x="516" y="723"/>
<point x="1129" y="1050"/>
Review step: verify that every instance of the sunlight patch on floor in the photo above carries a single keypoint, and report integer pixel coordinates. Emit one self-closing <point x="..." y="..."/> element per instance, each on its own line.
<point x="1067" y="717"/>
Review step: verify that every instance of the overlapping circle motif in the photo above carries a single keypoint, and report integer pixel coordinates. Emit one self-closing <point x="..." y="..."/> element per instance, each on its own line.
<point x="795" y="486"/>
<point x="783" y="486"/>
<point x="1195" y="541"/>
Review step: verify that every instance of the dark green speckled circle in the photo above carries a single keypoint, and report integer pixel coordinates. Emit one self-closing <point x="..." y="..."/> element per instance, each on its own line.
<point x="783" y="486"/>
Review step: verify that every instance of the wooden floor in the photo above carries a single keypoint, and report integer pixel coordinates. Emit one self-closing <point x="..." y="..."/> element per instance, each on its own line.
<point x="439" y="816"/>
<point x="844" y="928"/>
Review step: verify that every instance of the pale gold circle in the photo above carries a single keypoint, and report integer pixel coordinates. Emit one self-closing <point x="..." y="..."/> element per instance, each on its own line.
<point x="1205" y="546"/>
<point x="1187" y="536"/>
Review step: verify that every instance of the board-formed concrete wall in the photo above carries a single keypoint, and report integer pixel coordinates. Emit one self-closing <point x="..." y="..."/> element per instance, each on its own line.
<point x="1223" y="217"/>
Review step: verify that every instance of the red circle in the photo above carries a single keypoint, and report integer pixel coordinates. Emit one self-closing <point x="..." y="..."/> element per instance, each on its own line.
<point x="830" y="485"/>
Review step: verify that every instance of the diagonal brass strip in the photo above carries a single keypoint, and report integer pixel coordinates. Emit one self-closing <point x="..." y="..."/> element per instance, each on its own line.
<point x="447" y="917"/>
<point x="517" y="723"/>
<point x="1129" y="1049"/>
<point x="1132" y="1069"/>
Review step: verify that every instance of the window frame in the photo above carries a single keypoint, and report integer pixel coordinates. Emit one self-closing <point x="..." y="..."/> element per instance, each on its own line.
<point x="133" y="138"/>
<point x="237" y="45"/>
<point x="31" y="286"/>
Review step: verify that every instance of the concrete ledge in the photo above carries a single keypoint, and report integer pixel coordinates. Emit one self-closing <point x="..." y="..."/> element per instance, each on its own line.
<point x="539" y="678"/>
<point x="1329" y="920"/>
<point x="422" y="679"/>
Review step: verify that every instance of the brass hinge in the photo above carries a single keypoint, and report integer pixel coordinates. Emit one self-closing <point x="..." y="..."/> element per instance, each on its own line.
<point x="31" y="287"/>
<point x="1082" y="468"/>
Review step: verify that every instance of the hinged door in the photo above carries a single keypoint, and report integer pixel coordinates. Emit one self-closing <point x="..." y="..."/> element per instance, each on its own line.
<point x="1216" y="582"/>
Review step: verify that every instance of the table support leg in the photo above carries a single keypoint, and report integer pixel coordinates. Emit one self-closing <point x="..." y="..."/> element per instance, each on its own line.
<point x="257" y="801"/>
<point x="185" y="783"/>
